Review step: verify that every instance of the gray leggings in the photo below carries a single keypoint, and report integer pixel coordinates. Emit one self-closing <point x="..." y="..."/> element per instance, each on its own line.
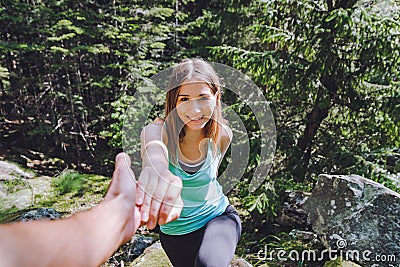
<point x="212" y="246"/>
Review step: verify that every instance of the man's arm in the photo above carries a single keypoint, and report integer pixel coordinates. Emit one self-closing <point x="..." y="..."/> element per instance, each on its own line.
<point x="85" y="239"/>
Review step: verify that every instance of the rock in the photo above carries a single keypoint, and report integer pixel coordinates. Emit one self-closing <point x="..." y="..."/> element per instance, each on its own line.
<point x="303" y="236"/>
<point x="292" y="214"/>
<point x="10" y="171"/>
<point x="139" y="244"/>
<point x="41" y="213"/>
<point x="155" y="256"/>
<point x="340" y="263"/>
<point x="129" y="252"/>
<point x="14" y="187"/>
<point x="18" y="187"/>
<point x="239" y="262"/>
<point x="356" y="217"/>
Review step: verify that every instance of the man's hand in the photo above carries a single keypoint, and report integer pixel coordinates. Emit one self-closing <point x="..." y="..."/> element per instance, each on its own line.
<point x="84" y="239"/>
<point x="123" y="187"/>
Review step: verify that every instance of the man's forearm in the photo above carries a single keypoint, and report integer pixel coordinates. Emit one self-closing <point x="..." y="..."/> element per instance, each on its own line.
<point x="84" y="239"/>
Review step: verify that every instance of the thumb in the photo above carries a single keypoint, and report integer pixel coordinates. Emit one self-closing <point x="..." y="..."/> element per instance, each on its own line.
<point x="123" y="180"/>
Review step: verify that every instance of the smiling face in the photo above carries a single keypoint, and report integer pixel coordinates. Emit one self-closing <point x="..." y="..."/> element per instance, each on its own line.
<point x="195" y="104"/>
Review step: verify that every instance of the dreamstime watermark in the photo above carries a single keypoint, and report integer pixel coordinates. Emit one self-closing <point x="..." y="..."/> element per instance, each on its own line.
<point x="151" y="97"/>
<point x="326" y="254"/>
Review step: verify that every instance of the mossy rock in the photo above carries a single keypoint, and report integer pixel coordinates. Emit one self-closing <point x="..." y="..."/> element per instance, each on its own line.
<point x="340" y="263"/>
<point x="22" y="190"/>
<point x="18" y="187"/>
<point x="155" y="256"/>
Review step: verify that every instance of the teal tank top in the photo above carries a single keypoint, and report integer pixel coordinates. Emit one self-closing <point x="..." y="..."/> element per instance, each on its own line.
<point x="202" y="196"/>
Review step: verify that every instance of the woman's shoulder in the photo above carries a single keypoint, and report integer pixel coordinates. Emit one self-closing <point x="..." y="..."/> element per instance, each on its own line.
<point x="225" y="138"/>
<point x="155" y="124"/>
<point x="226" y="132"/>
<point x="155" y="129"/>
<point x="158" y="121"/>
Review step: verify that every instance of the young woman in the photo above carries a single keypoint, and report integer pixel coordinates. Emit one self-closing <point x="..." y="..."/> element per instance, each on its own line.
<point x="181" y="155"/>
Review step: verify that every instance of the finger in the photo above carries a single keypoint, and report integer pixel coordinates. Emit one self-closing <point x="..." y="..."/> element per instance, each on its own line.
<point x="122" y="159"/>
<point x="141" y="186"/>
<point x="149" y="191"/>
<point x="137" y="218"/>
<point x="171" y="200"/>
<point x="176" y="211"/>
<point x="127" y="183"/>
<point x="157" y="200"/>
<point x="123" y="179"/>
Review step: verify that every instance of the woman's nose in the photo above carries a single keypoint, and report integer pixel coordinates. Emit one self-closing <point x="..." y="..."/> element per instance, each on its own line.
<point x="195" y="106"/>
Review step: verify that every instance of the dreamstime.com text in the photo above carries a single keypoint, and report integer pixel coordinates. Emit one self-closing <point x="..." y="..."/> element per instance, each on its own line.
<point x="330" y="254"/>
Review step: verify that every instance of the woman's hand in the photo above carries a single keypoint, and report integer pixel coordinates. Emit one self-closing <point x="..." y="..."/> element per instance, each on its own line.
<point x="158" y="195"/>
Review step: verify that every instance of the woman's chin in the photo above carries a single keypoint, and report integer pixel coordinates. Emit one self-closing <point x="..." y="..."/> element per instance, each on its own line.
<point x="196" y="125"/>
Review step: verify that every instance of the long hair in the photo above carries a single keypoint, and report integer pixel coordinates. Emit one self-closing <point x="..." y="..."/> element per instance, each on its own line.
<point x="186" y="71"/>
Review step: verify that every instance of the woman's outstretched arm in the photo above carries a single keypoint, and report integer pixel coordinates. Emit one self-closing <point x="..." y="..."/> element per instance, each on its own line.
<point x="159" y="190"/>
<point x="87" y="238"/>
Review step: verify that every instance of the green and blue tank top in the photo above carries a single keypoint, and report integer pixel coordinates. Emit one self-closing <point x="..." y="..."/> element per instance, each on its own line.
<point x="202" y="196"/>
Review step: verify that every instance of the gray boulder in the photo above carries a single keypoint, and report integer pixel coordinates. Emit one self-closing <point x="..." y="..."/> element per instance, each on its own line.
<point x="356" y="218"/>
<point x="40" y="213"/>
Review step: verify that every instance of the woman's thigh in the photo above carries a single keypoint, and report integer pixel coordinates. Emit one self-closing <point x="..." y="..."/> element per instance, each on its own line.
<point x="220" y="238"/>
<point x="182" y="250"/>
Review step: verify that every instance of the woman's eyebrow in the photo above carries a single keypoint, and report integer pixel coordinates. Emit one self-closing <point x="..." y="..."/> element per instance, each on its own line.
<point x="199" y="95"/>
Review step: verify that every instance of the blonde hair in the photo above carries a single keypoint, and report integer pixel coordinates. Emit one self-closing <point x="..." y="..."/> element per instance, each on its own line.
<point x="191" y="70"/>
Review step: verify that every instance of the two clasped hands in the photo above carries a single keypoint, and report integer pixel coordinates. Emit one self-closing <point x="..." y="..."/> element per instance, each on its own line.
<point x="158" y="196"/>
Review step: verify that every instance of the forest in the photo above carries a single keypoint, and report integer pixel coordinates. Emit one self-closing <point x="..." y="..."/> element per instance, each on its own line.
<point x="329" y="69"/>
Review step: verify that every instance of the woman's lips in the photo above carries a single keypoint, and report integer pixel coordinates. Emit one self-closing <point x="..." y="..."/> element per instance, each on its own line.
<point x="195" y="119"/>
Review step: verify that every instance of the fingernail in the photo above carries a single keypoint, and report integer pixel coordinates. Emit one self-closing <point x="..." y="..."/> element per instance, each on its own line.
<point x="139" y="201"/>
<point x="161" y="221"/>
<point x="150" y="225"/>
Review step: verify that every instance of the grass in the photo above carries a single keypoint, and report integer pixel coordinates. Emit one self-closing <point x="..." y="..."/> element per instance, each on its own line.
<point x="275" y="250"/>
<point x="73" y="191"/>
<point x="69" y="181"/>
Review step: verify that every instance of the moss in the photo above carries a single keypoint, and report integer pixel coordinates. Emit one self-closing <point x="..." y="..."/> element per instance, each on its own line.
<point x="67" y="193"/>
<point x="9" y="215"/>
<point x="152" y="257"/>
<point x="86" y="193"/>
<point x="339" y="262"/>
<point x="155" y="256"/>
<point x="15" y="185"/>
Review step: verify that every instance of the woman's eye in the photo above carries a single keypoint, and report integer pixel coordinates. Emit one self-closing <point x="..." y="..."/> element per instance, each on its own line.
<point x="204" y="98"/>
<point x="184" y="99"/>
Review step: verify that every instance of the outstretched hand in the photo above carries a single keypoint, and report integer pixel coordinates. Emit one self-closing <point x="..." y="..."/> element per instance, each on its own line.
<point x="159" y="196"/>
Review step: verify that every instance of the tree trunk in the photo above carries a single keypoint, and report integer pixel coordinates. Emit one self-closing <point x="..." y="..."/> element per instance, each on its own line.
<point x="320" y="111"/>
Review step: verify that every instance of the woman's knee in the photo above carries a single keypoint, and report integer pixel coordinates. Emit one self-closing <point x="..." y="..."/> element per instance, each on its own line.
<point x="205" y="260"/>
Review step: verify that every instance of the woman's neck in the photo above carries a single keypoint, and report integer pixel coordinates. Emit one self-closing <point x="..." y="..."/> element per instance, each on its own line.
<point x="187" y="149"/>
<point x="193" y="137"/>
